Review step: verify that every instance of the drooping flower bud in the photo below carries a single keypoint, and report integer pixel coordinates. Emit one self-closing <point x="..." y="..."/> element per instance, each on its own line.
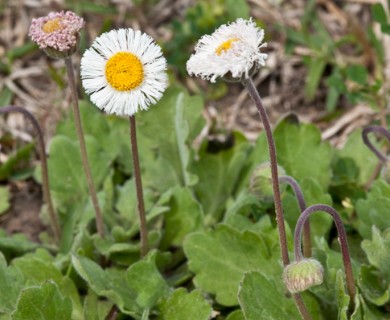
<point x="301" y="275"/>
<point x="261" y="182"/>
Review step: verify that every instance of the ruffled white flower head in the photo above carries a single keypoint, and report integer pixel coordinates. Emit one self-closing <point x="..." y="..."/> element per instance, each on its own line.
<point x="124" y="71"/>
<point x="233" y="48"/>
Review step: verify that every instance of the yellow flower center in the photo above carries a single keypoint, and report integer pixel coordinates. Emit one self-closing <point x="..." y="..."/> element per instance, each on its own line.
<point x="124" y="71"/>
<point x="225" y="46"/>
<point x="52" y="25"/>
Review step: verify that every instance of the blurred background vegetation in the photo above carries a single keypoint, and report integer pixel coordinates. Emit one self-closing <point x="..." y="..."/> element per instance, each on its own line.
<point x="329" y="63"/>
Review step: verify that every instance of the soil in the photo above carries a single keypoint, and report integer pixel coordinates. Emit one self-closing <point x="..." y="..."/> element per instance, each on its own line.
<point x="23" y="214"/>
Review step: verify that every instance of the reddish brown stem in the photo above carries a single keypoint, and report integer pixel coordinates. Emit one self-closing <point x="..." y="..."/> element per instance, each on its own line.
<point x="383" y="132"/>
<point x="45" y="172"/>
<point x="83" y="149"/>
<point x="342" y="239"/>
<point x="274" y="170"/>
<point x="275" y="185"/>
<point x="138" y="186"/>
<point x="302" y="206"/>
<point x="112" y="315"/>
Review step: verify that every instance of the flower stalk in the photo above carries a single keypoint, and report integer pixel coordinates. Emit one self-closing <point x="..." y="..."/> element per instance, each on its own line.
<point x="275" y="186"/>
<point x="274" y="169"/>
<point x="380" y="130"/>
<point x="234" y="51"/>
<point x="45" y="172"/>
<point x="138" y="186"/>
<point x="302" y="206"/>
<point x="342" y="240"/>
<point x="83" y="149"/>
<point x="124" y="72"/>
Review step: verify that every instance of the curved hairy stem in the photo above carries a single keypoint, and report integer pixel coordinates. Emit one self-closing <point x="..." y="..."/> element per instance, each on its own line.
<point x="342" y="239"/>
<point x="45" y="175"/>
<point x="302" y="206"/>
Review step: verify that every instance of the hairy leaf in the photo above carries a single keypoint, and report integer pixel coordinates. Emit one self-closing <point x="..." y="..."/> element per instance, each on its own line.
<point x="183" y="305"/>
<point x="219" y="258"/>
<point x="144" y="278"/>
<point x="43" y="303"/>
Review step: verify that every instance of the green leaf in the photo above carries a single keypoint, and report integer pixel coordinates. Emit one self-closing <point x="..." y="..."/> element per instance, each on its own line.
<point x="365" y="160"/>
<point x="236" y="315"/>
<point x="357" y="73"/>
<point x="144" y="278"/>
<point x="124" y="253"/>
<point x="343" y="301"/>
<point x="374" y="211"/>
<point x="333" y="292"/>
<point x="237" y="9"/>
<point x="302" y="153"/>
<point x="127" y="202"/>
<point x="183" y="305"/>
<point x="385" y="28"/>
<point x="342" y="298"/>
<point x="345" y="172"/>
<point x="259" y="298"/>
<point x="379" y="13"/>
<point x="179" y="122"/>
<point x="219" y="173"/>
<point x="111" y="132"/>
<point x="15" y="244"/>
<point x="244" y="202"/>
<point x="67" y="178"/>
<point x="336" y="81"/>
<point x="4" y="199"/>
<point x="107" y="283"/>
<point x="219" y="259"/>
<point x="95" y="308"/>
<point x="11" y="283"/>
<point x="21" y="51"/>
<point x="37" y="271"/>
<point x="263" y="228"/>
<point x="372" y="313"/>
<point x="43" y="303"/>
<point x="316" y="69"/>
<point x="332" y="98"/>
<point x="185" y="216"/>
<point x="373" y="288"/>
<point x="378" y="251"/>
<point x="5" y="96"/>
<point x="19" y="158"/>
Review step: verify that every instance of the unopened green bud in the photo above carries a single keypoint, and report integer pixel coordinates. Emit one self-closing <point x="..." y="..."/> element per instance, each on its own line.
<point x="301" y="275"/>
<point x="261" y="182"/>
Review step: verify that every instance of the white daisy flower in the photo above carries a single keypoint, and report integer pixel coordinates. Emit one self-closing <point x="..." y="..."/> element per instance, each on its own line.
<point x="124" y="71"/>
<point x="233" y="48"/>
